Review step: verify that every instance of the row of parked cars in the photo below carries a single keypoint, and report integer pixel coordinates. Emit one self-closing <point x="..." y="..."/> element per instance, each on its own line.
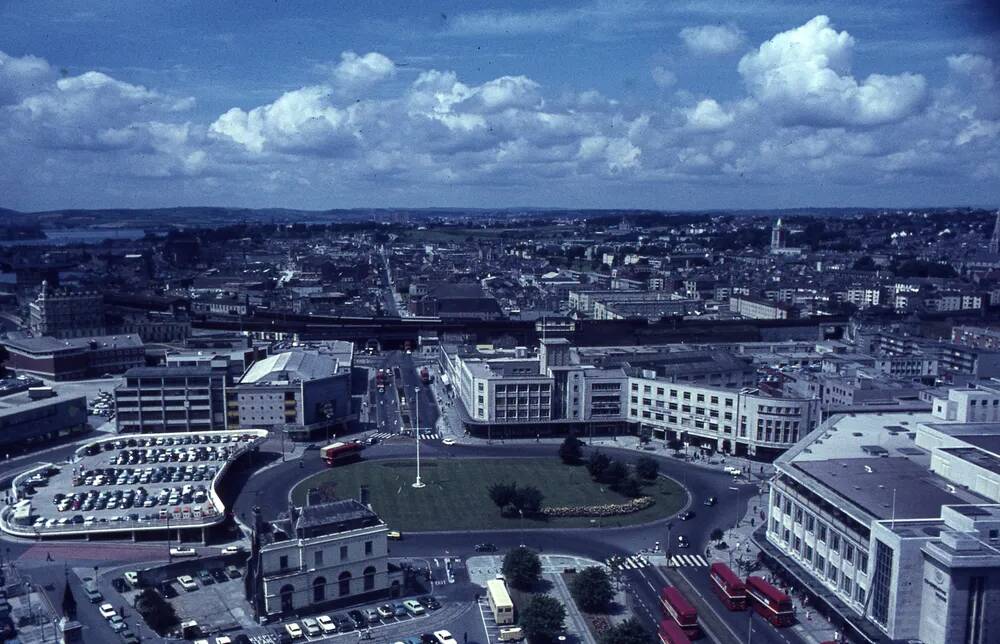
<point x="361" y="618"/>
<point x="173" y="455"/>
<point x="103" y="405"/>
<point x="150" y="475"/>
<point x="117" y="623"/>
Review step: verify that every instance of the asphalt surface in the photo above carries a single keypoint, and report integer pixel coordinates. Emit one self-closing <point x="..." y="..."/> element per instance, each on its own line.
<point x="269" y="488"/>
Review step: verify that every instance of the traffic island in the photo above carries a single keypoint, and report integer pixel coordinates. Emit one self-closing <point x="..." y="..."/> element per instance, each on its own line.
<point x="456" y="496"/>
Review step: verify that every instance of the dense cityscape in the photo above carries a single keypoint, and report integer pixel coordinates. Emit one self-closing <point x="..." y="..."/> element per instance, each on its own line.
<point x="701" y="398"/>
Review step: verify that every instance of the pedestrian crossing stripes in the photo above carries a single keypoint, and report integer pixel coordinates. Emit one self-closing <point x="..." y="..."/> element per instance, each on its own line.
<point x="627" y="563"/>
<point x="382" y="435"/>
<point x="429" y="436"/>
<point x="688" y="561"/>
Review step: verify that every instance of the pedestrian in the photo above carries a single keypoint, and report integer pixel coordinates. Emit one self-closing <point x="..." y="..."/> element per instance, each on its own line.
<point x="48" y="556"/>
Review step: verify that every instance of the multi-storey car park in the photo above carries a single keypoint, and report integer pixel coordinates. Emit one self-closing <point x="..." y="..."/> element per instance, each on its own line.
<point x="138" y="486"/>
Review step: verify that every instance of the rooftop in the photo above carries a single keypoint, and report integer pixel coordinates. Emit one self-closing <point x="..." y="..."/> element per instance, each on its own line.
<point x="886" y="487"/>
<point x="47" y="344"/>
<point x="296" y="365"/>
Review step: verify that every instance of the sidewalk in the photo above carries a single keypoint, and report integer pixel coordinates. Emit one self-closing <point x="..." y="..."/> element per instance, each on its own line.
<point x="743" y="553"/>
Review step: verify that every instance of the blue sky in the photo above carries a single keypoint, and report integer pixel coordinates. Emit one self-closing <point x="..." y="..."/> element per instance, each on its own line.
<point x="679" y="105"/>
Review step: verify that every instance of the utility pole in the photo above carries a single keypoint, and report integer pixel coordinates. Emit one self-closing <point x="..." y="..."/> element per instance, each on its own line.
<point x="416" y="412"/>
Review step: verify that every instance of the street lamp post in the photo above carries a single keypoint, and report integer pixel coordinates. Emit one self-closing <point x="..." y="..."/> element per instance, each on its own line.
<point x="737" y="490"/>
<point x="416" y="412"/>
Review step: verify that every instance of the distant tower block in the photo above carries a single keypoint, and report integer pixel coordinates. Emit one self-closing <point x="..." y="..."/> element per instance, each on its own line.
<point x="995" y="239"/>
<point x="778" y="235"/>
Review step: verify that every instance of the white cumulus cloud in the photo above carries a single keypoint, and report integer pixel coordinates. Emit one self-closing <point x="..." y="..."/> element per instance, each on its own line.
<point x="361" y="70"/>
<point x="707" y="116"/>
<point x="803" y="76"/>
<point x="712" y="39"/>
<point x="663" y="77"/>
<point x="22" y="76"/>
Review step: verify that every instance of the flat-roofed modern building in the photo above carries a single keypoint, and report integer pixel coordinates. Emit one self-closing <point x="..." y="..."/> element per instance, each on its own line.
<point x="27" y="421"/>
<point x="171" y="399"/>
<point x="703" y="398"/>
<point x="890" y="521"/>
<point x="75" y="358"/>
<point x="305" y="393"/>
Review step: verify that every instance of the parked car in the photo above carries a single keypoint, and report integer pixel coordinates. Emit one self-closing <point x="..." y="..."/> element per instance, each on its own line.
<point x="399" y="610"/>
<point x="394" y="534"/>
<point x="293" y="630"/>
<point x="371" y="616"/>
<point x="414" y="607"/>
<point x="385" y="611"/>
<point x="106" y="611"/>
<point x="686" y="515"/>
<point x="311" y="626"/>
<point x="710" y="501"/>
<point x="326" y="624"/>
<point x="444" y="637"/>
<point x="358" y="618"/>
<point x="429" y="602"/>
<point x="187" y="582"/>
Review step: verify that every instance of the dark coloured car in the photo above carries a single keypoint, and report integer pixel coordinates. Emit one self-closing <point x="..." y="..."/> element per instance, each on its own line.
<point x="710" y="501"/>
<point x="358" y="618"/>
<point x="429" y="602"/>
<point x="428" y="638"/>
<point x="344" y="623"/>
<point x="219" y="575"/>
<point x="167" y="590"/>
<point x="205" y="578"/>
<point x="685" y="516"/>
<point x="485" y="547"/>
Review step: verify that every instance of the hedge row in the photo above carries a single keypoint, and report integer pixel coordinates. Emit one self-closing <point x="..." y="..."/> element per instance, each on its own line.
<point x="609" y="510"/>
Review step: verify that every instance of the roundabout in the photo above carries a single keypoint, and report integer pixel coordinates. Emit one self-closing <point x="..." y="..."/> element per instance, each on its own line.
<point x="456" y="494"/>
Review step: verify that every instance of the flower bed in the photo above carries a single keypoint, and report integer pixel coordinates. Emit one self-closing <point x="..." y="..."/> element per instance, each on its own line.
<point x="609" y="510"/>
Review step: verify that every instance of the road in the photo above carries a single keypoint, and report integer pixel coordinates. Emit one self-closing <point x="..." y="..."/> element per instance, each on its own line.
<point x="269" y="488"/>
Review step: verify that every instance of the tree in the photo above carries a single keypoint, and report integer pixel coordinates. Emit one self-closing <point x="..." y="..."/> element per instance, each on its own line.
<point x="570" y="451"/>
<point x="716" y="535"/>
<point x="597" y="464"/>
<point x="158" y="612"/>
<point x="630" y="631"/>
<point x="614" y="474"/>
<point x="629" y="486"/>
<point x="542" y="618"/>
<point x="503" y="494"/>
<point x="522" y="568"/>
<point x="647" y="468"/>
<point x="528" y="499"/>
<point x="591" y="590"/>
<point x="865" y="263"/>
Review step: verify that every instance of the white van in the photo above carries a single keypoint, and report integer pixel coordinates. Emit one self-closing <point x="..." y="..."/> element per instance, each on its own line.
<point x="511" y="634"/>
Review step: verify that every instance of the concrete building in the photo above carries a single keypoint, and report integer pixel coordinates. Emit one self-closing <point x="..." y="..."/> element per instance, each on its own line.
<point x="779" y="236"/>
<point x="320" y="556"/>
<point x="891" y="522"/>
<point x="305" y="393"/>
<point x="758" y="309"/>
<point x="978" y="337"/>
<point x="26" y="420"/>
<point x="75" y="358"/>
<point x="171" y="399"/>
<point x="62" y="313"/>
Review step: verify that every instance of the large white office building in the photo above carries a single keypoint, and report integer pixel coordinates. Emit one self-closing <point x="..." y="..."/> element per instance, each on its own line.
<point x="702" y="398"/>
<point x="892" y="521"/>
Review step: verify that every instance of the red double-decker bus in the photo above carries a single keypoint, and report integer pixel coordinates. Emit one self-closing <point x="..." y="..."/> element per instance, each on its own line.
<point x="728" y="587"/>
<point x="337" y="453"/>
<point x="769" y="602"/>
<point x="680" y="610"/>
<point x="671" y="633"/>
